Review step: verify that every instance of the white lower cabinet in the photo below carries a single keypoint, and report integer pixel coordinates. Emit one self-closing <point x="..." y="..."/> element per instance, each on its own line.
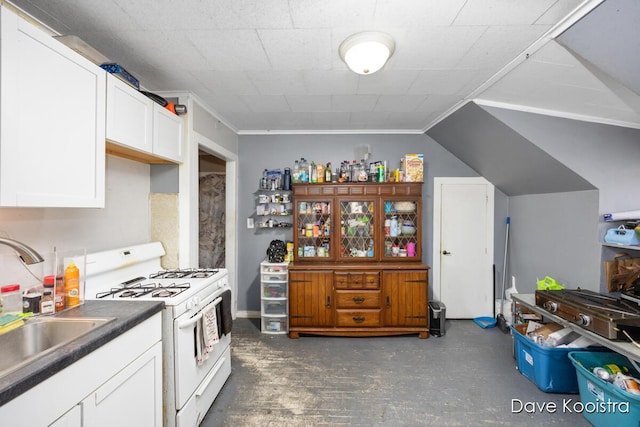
<point x="73" y="418"/>
<point x="119" y="384"/>
<point x="128" y="397"/>
<point x="52" y="120"/>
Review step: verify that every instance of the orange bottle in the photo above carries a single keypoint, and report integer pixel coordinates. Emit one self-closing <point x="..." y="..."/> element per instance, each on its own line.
<point x="72" y="284"/>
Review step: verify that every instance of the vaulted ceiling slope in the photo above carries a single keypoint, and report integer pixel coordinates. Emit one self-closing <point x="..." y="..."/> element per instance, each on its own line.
<point x="272" y="66"/>
<point x="513" y="163"/>
<point x="590" y="72"/>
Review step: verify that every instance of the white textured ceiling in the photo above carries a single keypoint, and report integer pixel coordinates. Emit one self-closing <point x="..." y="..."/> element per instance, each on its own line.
<point x="589" y="72"/>
<point x="273" y="65"/>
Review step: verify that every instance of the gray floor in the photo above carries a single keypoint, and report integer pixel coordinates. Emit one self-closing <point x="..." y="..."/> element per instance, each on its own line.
<point x="466" y="377"/>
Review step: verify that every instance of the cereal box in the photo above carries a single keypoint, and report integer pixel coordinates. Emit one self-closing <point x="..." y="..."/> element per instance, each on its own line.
<point x="414" y="165"/>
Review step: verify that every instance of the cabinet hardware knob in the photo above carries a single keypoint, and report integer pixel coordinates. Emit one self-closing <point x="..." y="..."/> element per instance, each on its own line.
<point x="358" y="319"/>
<point x="358" y="300"/>
<point x="446" y="252"/>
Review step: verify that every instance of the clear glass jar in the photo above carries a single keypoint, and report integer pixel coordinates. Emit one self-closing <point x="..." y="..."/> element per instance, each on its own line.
<point x="11" y="299"/>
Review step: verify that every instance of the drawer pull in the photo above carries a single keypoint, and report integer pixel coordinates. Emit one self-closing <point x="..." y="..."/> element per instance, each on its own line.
<point x="388" y="301"/>
<point x="358" y="300"/>
<point x="328" y="302"/>
<point x="358" y="319"/>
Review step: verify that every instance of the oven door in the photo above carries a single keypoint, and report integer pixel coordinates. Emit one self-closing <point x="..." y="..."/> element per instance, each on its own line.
<point x="189" y="375"/>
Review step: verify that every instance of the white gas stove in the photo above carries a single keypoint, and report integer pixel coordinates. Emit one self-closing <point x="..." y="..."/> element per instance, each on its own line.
<point x="193" y="372"/>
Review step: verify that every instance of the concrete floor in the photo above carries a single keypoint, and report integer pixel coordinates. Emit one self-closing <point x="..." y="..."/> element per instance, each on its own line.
<point x="467" y="377"/>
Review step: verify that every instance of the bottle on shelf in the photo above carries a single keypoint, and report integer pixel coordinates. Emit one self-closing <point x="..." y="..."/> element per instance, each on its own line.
<point x="286" y="179"/>
<point x="304" y="170"/>
<point x="264" y="182"/>
<point x="295" y="174"/>
<point x="363" y="175"/>
<point x="313" y="172"/>
<point x="327" y="173"/>
<point x="319" y="173"/>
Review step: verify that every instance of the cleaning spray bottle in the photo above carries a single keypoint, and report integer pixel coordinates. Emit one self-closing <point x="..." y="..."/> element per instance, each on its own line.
<point x="508" y="293"/>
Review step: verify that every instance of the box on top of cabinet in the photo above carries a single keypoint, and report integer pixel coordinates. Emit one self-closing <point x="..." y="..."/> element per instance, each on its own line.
<point x="118" y="71"/>
<point x="414" y="167"/>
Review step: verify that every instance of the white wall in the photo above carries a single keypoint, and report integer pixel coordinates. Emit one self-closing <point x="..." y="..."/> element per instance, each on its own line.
<point x="124" y="220"/>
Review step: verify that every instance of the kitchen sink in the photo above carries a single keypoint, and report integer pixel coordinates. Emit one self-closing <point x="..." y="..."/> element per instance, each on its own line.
<point x="40" y="336"/>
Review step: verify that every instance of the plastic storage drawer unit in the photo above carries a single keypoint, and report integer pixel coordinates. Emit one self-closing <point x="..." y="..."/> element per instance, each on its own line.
<point x="604" y="404"/>
<point x="547" y="367"/>
<point x="274" y="297"/>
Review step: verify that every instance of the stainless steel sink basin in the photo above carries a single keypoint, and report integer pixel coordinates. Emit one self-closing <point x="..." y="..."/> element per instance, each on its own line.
<point x="40" y="336"/>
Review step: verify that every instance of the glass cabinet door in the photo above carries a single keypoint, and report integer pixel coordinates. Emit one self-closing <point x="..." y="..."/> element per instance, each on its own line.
<point x="314" y="229"/>
<point x="401" y="230"/>
<point x="357" y="230"/>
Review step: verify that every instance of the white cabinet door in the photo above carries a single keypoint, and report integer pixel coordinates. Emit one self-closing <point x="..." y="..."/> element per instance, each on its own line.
<point x="73" y="418"/>
<point x="133" y="397"/>
<point x="167" y="134"/>
<point x="129" y="116"/>
<point x="52" y="121"/>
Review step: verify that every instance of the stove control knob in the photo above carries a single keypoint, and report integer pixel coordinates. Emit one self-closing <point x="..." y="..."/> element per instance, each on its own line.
<point x="584" y="320"/>
<point x="192" y="303"/>
<point x="551" y="306"/>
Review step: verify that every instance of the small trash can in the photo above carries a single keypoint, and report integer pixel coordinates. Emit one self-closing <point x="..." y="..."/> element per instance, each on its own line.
<point x="437" y="318"/>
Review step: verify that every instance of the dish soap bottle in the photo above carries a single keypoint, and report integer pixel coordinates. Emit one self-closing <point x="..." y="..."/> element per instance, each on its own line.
<point x="72" y="284"/>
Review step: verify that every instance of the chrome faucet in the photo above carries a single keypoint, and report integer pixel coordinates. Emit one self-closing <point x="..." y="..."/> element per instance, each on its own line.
<point x="26" y="254"/>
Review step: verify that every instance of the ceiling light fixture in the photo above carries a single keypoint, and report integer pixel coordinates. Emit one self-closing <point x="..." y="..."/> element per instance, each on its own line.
<point x="367" y="52"/>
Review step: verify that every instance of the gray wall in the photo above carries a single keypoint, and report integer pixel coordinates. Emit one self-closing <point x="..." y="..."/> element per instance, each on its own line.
<point x="279" y="151"/>
<point x="608" y="157"/>
<point x="554" y="235"/>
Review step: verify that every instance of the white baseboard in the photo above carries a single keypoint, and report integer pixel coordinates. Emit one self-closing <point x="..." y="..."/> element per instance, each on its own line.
<point x="248" y="314"/>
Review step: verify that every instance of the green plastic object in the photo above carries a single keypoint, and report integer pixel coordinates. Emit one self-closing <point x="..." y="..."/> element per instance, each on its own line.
<point x="549" y="284"/>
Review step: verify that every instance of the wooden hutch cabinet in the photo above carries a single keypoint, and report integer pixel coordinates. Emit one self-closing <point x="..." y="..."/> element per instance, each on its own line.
<point x="358" y="260"/>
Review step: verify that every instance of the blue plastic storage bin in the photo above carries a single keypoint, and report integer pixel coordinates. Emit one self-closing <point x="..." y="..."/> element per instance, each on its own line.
<point x="547" y="367"/>
<point x="605" y="404"/>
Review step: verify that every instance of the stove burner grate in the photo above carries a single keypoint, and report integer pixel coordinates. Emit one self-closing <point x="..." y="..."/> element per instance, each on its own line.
<point x="191" y="273"/>
<point x="137" y="290"/>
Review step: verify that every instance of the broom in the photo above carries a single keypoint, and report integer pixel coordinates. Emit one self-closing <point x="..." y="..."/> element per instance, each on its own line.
<point x="502" y="322"/>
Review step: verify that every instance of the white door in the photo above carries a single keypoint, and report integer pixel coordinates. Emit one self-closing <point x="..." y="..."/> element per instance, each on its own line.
<point x="463" y="246"/>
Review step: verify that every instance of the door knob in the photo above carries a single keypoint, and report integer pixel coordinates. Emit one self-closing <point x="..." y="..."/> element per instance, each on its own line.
<point x="446" y="252"/>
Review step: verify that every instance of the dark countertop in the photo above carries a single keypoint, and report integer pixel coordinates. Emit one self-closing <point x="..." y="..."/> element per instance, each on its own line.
<point x="128" y="314"/>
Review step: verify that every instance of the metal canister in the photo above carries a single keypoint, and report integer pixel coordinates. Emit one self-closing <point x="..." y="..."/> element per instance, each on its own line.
<point x="31" y="302"/>
<point x="602" y="373"/>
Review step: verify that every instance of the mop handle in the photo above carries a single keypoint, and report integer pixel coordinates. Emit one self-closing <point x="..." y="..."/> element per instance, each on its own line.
<point x="504" y="264"/>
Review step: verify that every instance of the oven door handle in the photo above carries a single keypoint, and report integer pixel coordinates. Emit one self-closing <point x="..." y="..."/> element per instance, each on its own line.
<point x="193" y="320"/>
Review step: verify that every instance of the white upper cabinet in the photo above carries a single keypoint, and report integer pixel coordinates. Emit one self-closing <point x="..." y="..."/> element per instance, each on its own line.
<point x="52" y="120"/>
<point x="129" y="116"/>
<point x="136" y="122"/>
<point x="167" y="133"/>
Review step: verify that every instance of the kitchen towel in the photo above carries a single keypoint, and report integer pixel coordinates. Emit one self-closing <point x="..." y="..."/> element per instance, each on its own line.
<point x="200" y="355"/>
<point x="209" y="328"/>
<point x="227" y="319"/>
<point x="206" y="333"/>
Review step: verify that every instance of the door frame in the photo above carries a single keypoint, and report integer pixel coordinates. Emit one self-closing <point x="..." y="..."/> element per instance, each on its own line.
<point x="438" y="182"/>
